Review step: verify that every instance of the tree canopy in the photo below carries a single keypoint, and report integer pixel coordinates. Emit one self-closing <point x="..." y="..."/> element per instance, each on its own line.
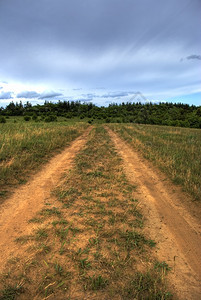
<point x="170" y="114"/>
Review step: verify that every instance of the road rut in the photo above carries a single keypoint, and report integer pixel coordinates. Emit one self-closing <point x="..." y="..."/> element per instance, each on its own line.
<point x="31" y="197"/>
<point x="169" y="223"/>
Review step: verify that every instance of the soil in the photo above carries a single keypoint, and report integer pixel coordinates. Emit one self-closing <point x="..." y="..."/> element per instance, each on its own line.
<point x="31" y="197"/>
<point x="172" y="220"/>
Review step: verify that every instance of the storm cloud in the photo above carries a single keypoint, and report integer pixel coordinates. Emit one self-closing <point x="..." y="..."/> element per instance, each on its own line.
<point x="194" y="56"/>
<point x="115" y="95"/>
<point x="120" y="45"/>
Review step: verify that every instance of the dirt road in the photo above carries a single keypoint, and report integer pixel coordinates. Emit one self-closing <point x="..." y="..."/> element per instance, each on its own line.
<point x="30" y="198"/>
<point x="170" y="224"/>
<point x="169" y="216"/>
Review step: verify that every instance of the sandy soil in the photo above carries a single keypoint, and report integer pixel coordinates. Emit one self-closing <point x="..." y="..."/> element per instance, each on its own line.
<point x="172" y="220"/>
<point x="30" y="198"/>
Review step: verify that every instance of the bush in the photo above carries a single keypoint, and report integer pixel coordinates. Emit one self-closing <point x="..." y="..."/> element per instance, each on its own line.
<point x="2" y="119"/>
<point x="51" y="118"/>
<point x="27" y="118"/>
<point x="69" y="115"/>
<point x="34" y="117"/>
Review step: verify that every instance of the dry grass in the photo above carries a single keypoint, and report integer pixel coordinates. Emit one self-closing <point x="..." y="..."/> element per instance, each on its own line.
<point x="25" y="146"/>
<point x="177" y="151"/>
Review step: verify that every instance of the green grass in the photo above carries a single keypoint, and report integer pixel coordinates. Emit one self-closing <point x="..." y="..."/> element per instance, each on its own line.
<point x="25" y="146"/>
<point x="145" y="284"/>
<point x="177" y="151"/>
<point x="10" y="292"/>
<point x="95" y="247"/>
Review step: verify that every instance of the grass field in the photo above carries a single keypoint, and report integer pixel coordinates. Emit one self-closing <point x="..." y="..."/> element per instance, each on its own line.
<point x="88" y="242"/>
<point x="25" y="146"/>
<point x="177" y="151"/>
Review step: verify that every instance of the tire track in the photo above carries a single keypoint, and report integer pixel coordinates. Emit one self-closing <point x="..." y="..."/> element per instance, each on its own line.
<point x="176" y="232"/>
<point x="30" y="198"/>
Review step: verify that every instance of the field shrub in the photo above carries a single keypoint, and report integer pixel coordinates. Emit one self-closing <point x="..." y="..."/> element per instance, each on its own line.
<point x="2" y="119"/>
<point x="27" y="118"/>
<point x="51" y="118"/>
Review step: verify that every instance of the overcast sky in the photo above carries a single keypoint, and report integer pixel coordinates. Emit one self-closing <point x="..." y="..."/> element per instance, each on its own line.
<point x="100" y="50"/>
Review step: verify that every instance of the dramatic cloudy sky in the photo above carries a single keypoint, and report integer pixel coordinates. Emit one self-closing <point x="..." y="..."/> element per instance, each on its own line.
<point x="100" y="50"/>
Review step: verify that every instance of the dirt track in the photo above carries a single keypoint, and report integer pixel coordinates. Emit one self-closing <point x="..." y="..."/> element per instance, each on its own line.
<point x="168" y="220"/>
<point x="30" y="198"/>
<point x="170" y="224"/>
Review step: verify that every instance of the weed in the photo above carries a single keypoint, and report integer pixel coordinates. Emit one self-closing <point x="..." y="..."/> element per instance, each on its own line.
<point x="24" y="239"/>
<point x="10" y="292"/>
<point x="61" y="250"/>
<point x="44" y="248"/>
<point x="94" y="241"/>
<point x="112" y="220"/>
<point x="96" y="283"/>
<point x="134" y="239"/>
<point x="36" y="220"/>
<point x="95" y="174"/>
<point x="146" y="286"/>
<point x="97" y="255"/>
<point x="84" y="264"/>
<point x="163" y="266"/>
<point x="59" y="269"/>
<point x="3" y="194"/>
<point x="41" y="233"/>
<point x="60" y="222"/>
<point x="75" y="230"/>
<point x="62" y="232"/>
<point x="50" y="212"/>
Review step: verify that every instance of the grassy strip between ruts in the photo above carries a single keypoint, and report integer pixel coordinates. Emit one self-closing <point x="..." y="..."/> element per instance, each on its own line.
<point x="177" y="151"/>
<point x="25" y="146"/>
<point x="88" y="243"/>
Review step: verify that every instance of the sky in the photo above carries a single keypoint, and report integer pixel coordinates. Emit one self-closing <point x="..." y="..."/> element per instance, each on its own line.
<point x="100" y="51"/>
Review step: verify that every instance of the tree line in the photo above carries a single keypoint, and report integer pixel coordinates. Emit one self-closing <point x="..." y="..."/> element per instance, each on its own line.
<point x="170" y="114"/>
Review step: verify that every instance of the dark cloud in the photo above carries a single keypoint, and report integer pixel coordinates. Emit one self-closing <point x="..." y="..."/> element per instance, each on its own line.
<point x="28" y="94"/>
<point x="49" y="95"/>
<point x="194" y="56"/>
<point x="115" y="95"/>
<point x="6" y="95"/>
